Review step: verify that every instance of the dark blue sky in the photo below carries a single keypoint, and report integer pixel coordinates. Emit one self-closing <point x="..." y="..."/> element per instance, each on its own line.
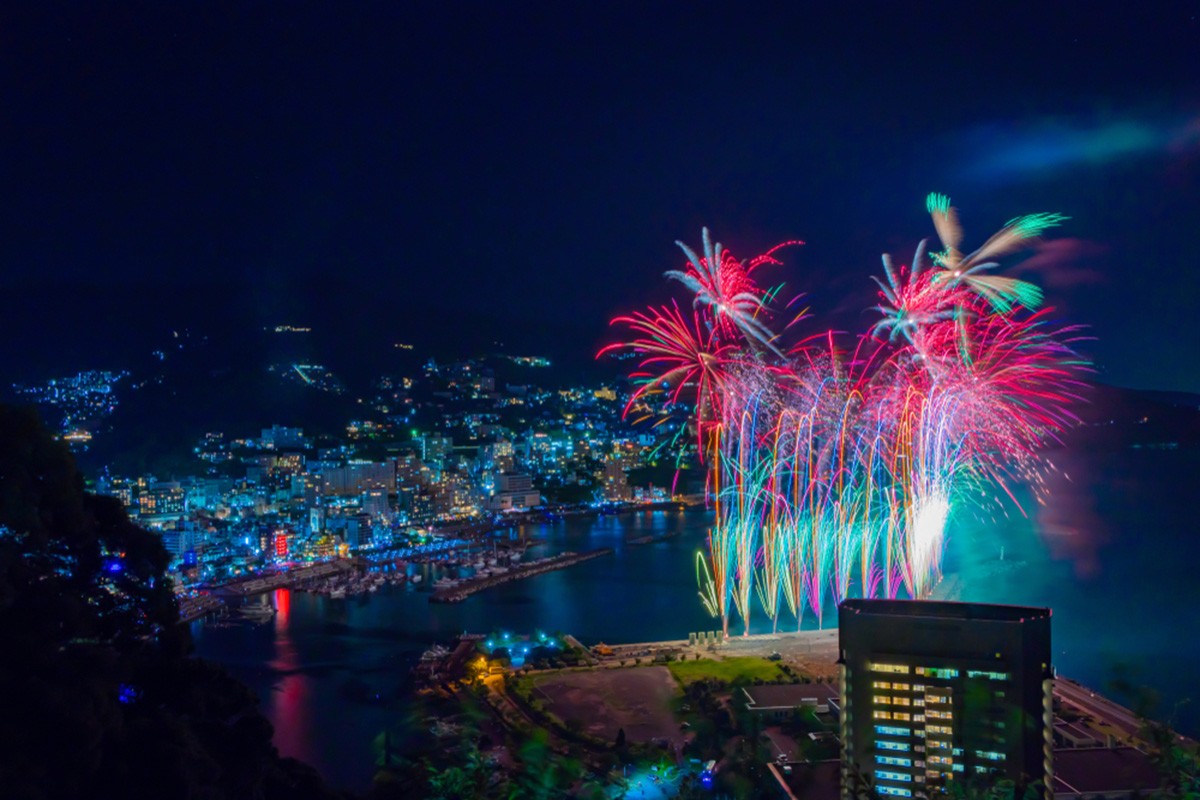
<point x="537" y="161"/>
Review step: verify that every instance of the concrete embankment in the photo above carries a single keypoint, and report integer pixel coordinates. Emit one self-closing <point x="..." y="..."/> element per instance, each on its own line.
<point x="193" y="608"/>
<point x="469" y="586"/>
<point x="248" y="587"/>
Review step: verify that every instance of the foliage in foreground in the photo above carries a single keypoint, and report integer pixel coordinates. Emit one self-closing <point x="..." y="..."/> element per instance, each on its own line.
<point x="101" y="697"/>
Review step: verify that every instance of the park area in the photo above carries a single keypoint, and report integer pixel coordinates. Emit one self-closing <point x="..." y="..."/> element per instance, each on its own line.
<point x="735" y="670"/>
<point x="602" y="702"/>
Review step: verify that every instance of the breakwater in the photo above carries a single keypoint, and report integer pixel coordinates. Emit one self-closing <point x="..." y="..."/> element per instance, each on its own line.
<point x="461" y="590"/>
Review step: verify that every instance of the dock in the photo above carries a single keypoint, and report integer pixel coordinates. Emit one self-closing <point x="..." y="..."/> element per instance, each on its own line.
<point x="469" y="586"/>
<point x="284" y="579"/>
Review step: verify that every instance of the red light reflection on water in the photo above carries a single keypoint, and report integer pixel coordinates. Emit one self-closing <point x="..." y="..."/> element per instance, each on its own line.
<point x="292" y="698"/>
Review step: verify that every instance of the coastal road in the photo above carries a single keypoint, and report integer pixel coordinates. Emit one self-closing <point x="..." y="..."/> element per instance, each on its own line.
<point x="1097" y="706"/>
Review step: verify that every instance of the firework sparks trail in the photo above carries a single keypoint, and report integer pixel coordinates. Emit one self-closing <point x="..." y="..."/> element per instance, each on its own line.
<point x="836" y="471"/>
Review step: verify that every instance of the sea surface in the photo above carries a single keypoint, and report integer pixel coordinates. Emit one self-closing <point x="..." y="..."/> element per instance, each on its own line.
<point x="1112" y="548"/>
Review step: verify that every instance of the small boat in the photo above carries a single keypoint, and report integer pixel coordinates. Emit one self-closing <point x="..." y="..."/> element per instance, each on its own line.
<point x="258" y="611"/>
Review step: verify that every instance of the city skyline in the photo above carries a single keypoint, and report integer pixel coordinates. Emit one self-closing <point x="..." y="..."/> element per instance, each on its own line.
<point x="394" y="405"/>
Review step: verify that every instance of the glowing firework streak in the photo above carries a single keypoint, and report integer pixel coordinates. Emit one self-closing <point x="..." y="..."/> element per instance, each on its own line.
<point x="834" y="472"/>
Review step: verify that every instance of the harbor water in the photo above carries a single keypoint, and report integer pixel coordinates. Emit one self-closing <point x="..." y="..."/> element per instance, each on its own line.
<point x="1112" y="551"/>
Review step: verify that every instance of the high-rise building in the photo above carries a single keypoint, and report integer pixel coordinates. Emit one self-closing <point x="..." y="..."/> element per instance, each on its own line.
<point x="513" y="492"/>
<point x="434" y="449"/>
<point x="165" y="502"/>
<point x="935" y="692"/>
<point x="358" y="476"/>
<point x="422" y="507"/>
<point x="375" y="502"/>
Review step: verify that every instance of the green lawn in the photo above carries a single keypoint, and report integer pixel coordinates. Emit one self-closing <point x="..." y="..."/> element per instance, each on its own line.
<point x="740" y="669"/>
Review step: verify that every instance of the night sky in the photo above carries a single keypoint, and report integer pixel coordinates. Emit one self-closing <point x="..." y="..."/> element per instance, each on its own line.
<point x="457" y="165"/>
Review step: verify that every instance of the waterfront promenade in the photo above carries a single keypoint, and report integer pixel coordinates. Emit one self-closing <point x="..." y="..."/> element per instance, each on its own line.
<point x="816" y="652"/>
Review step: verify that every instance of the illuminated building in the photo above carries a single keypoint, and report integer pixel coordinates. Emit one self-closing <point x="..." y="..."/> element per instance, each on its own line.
<point x="435" y="449"/>
<point x="357" y="477"/>
<point x="934" y="691"/>
<point x="179" y="540"/>
<point x="162" y="503"/>
<point x="375" y="502"/>
<point x="410" y="471"/>
<point x="615" y="482"/>
<point x="280" y="546"/>
<point x="422" y="507"/>
<point x="514" y="492"/>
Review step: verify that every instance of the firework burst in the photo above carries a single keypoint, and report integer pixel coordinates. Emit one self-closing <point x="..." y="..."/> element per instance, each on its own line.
<point x="836" y="471"/>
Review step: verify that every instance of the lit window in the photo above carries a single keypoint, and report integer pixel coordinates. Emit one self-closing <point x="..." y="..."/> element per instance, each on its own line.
<point x="893" y="761"/>
<point x="891" y="730"/>
<point x="886" y="745"/>
<point x="944" y="673"/>
<point x="902" y="687"/>
<point x="900" y="715"/>
<point x="877" y="714"/>
<point x="932" y="714"/>
<point x="882" y="699"/>
<point x="881" y="685"/>
<point x="901" y="701"/>
<point x="898" y="669"/>
<point x="992" y="676"/>
<point x="894" y="791"/>
<point x="990" y="755"/>
<point x="888" y="775"/>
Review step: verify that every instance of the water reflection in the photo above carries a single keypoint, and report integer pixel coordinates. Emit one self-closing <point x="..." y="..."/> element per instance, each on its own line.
<point x="1109" y="552"/>
<point x="290" y="703"/>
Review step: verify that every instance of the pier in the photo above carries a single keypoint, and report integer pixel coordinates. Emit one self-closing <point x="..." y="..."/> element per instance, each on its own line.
<point x="261" y="584"/>
<point x="461" y="590"/>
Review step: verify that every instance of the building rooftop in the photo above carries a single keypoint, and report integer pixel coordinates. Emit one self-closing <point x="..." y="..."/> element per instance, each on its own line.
<point x="790" y="695"/>
<point x="936" y="609"/>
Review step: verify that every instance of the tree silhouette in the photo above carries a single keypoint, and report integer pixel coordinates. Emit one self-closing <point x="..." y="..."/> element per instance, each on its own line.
<point x="101" y="697"/>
